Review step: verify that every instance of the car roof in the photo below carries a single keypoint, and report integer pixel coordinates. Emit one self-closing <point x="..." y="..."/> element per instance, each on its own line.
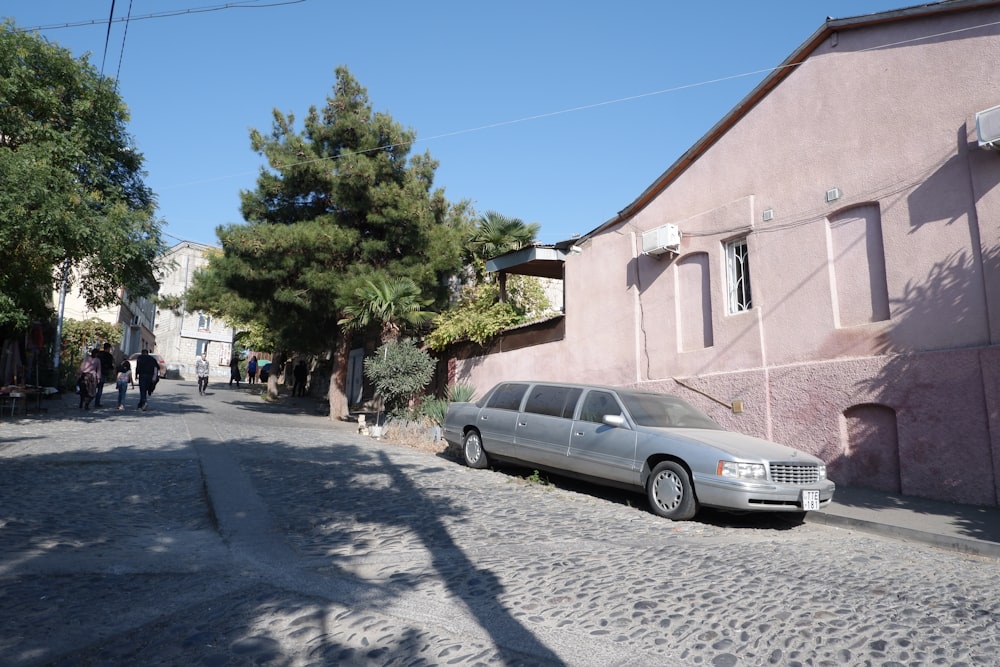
<point x="556" y="383"/>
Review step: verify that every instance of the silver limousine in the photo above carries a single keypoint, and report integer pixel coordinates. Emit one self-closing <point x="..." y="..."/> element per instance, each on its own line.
<point x="634" y="439"/>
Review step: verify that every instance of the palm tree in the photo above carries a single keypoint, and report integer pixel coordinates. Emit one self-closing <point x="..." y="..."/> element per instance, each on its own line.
<point x="496" y="234"/>
<point x="392" y="304"/>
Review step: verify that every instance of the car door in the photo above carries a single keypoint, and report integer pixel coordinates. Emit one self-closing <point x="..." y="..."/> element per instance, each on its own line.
<point x="498" y="418"/>
<point x="544" y="425"/>
<point x="597" y="449"/>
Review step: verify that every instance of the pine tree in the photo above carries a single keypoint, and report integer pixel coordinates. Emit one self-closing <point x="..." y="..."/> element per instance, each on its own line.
<point x="338" y="206"/>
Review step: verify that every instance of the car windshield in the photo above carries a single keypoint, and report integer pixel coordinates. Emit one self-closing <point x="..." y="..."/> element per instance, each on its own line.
<point x="663" y="411"/>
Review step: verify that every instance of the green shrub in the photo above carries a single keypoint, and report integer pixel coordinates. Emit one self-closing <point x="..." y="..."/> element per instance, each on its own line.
<point x="399" y="370"/>
<point x="461" y="392"/>
<point x="431" y="408"/>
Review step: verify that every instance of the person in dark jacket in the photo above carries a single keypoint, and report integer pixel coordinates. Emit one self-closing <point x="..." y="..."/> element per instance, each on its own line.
<point x="146" y="369"/>
<point x="107" y="371"/>
<point x="234" y="372"/>
<point x="300" y="373"/>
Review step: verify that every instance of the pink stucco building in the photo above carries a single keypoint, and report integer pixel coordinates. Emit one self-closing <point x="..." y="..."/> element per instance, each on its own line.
<point x="836" y="286"/>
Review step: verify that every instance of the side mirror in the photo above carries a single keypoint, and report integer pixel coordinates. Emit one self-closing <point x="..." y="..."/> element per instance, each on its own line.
<point x="617" y="421"/>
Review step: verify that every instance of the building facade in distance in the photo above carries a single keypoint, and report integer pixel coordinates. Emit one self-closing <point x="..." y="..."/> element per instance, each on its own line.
<point x="182" y="338"/>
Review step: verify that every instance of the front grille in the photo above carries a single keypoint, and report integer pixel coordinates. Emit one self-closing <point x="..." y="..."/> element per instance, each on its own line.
<point x="792" y="473"/>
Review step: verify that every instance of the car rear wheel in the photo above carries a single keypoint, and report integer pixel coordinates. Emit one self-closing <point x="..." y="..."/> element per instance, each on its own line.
<point x="472" y="450"/>
<point x="670" y="492"/>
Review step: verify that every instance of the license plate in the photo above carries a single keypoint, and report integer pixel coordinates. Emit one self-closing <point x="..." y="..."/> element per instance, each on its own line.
<point x="810" y="499"/>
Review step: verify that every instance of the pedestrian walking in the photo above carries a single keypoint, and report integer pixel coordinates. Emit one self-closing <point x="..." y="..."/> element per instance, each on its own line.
<point x="107" y="370"/>
<point x="146" y="368"/>
<point x="300" y="373"/>
<point x="252" y="370"/>
<point x="90" y="368"/>
<point x="122" y="382"/>
<point x="234" y="372"/>
<point x="201" y="369"/>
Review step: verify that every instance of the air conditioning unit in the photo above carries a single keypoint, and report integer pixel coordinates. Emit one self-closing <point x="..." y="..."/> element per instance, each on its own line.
<point x="663" y="239"/>
<point x="988" y="128"/>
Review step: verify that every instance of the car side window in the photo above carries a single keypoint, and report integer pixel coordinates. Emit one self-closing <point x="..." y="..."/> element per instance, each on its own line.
<point x="596" y="405"/>
<point x="552" y="401"/>
<point x="507" y="396"/>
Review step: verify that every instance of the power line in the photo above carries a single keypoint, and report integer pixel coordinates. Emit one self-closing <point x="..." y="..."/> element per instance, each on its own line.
<point x="248" y="4"/>
<point x="121" y="54"/>
<point x="107" y="37"/>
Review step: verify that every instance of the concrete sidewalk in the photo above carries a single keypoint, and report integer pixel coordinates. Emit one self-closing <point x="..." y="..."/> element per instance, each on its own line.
<point x="964" y="528"/>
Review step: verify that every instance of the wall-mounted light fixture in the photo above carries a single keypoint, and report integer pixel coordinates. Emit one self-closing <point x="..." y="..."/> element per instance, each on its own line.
<point x="832" y="194"/>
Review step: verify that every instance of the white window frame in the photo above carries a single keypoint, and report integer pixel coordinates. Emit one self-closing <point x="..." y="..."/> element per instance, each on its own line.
<point x="738" y="296"/>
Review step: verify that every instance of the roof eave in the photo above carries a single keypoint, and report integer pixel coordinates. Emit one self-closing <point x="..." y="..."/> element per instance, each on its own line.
<point x="771" y="81"/>
<point x="537" y="260"/>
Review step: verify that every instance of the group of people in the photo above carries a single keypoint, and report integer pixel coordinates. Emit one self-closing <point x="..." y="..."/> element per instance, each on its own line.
<point x="98" y="367"/>
<point x="300" y="373"/>
<point x="202" y="369"/>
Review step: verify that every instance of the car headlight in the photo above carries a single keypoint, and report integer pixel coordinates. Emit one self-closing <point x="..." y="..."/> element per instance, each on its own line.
<point x="742" y="470"/>
<point x="821" y="471"/>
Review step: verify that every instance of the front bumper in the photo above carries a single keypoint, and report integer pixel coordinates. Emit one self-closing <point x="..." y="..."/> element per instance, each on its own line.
<point x="714" y="491"/>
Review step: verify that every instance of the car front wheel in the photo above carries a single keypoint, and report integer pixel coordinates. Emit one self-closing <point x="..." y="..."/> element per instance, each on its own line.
<point x="472" y="450"/>
<point x="670" y="492"/>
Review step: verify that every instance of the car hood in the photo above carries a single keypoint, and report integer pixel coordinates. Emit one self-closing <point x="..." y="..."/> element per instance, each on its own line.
<point x="740" y="445"/>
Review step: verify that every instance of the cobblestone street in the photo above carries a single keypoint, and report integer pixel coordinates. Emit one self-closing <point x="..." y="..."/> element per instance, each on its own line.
<point x="220" y="530"/>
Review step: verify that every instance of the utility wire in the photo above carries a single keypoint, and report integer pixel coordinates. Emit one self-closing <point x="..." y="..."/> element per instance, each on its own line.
<point x="107" y="37"/>
<point x="249" y="4"/>
<point x="121" y="54"/>
<point x="595" y="105"/>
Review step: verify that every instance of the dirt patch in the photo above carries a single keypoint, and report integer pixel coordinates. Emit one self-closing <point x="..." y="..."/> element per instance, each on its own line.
<point x="417" y="436"/>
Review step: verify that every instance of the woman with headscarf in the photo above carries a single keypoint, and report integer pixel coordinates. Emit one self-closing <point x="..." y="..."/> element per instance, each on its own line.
<point x="90" y="369"/>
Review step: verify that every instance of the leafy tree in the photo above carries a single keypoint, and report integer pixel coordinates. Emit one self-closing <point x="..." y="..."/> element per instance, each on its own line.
<point x="253" y="335"/>
<point x="73" y="201"/>
<point x="389" y="304"/>
<point x="339" y="204"/>
<point x="480" y="314"/>
<point x="400" y="371"/>
<point x="78" y="336"/>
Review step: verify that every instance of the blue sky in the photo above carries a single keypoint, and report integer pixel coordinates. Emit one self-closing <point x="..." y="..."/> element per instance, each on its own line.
<point x="559" y="113"/>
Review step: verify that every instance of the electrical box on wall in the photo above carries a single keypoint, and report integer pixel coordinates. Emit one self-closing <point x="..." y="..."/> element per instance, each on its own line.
<point x="663" y="239"/>
<point x="988" y="128"/>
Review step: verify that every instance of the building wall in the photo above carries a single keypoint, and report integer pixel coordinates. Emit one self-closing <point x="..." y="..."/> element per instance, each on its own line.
<point x="181" y="337"/>
<point x="136" y="317"/>
<point x="871" y="338"/>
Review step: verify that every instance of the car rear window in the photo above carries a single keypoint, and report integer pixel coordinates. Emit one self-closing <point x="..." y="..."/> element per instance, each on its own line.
<point x="553" y="401"/>
<point x="507" y="396"/>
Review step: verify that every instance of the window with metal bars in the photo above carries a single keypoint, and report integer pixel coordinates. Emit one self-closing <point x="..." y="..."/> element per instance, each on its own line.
<point x="738" y="276"/>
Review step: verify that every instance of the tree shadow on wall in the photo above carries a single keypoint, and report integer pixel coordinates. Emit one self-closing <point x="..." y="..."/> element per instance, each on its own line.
<point x="954" y="294"/>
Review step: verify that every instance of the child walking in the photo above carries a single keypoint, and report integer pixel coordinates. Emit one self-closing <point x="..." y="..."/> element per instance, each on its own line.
<point x="123" y="381"/>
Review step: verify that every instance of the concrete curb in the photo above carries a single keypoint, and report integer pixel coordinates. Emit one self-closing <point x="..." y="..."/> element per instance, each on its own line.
<point x="950" y="542"/>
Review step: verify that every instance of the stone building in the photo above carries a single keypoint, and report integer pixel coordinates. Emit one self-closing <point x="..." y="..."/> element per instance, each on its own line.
<point x="182" y="338"/>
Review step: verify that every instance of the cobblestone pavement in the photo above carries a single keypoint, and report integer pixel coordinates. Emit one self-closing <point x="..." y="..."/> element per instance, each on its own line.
<point x="220" y="530"/>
